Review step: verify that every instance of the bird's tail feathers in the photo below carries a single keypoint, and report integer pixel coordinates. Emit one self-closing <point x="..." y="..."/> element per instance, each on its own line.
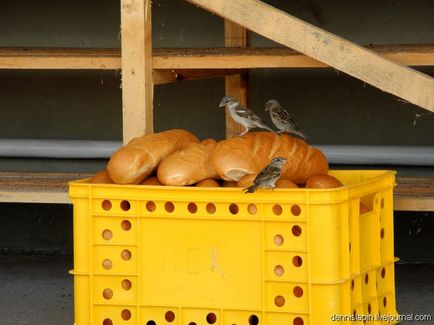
<point x="250" y="189"/>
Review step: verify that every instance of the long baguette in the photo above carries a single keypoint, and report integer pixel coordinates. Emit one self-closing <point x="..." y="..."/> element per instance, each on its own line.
<point x="135" y="161"/>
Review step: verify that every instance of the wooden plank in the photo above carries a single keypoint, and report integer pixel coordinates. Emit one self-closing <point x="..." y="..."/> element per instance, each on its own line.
<point x="411" y="193"/>
<point x="414" y="194"/>
<point x="137" y="85"/>
<point x="25" y="58"/>
<point x="236" y="85"/>
<point x="389" y="76"/>
<point x="191" y="58"/>
<point x="176" y="75"/>
<point x="237" y="58"/>
<point x="36" y="187"/>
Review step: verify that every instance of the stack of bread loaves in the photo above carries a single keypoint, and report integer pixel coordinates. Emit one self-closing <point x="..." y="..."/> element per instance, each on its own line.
<point x="177" y="157"/>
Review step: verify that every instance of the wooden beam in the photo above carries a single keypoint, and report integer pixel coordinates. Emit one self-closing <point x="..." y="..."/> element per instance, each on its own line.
<point x="236" y="85"/>
<point x="137" y="85"/>
<point x="411" y="193"/>
<point x="191" y="58"/>
<point x="168" y="76"/>
<point x="59" y="58"/>
<point x="237" y="58"/>
<point x="391" y="77"/>
<point x="414" y="194"/>
<point x="36" y="187"/>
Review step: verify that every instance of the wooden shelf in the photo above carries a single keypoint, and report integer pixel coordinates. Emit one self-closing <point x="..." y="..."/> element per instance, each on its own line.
<point x="36" y="187"/>
<point x="238" y="58"/>
<point x="414" y="194"/>
<point x="194" y="58"/>
<point x="411" y="193"/>
<point x="59" y="58"/>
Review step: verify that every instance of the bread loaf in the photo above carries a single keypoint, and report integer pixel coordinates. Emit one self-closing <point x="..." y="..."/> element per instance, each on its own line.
<point x="189" y="165"/>
<point x="101" y="177"/>
<point x="285" y="183"/>
<point x="248" y="154"/>
<point x="229" y="184"/>
<point x="323" y="181"/>
<point x="209" y="182"/>
<point x="247" y="181"/>
<point x="151" y="181"/>
<point x="135" y="161"/>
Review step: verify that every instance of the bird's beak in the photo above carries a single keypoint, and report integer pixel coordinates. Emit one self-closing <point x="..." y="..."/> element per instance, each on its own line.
<point x="222" y="104"/>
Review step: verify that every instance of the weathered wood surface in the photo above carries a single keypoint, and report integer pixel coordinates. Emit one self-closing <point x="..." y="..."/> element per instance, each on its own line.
<point x="236" y="85"/>
<point x="137" y="84"/>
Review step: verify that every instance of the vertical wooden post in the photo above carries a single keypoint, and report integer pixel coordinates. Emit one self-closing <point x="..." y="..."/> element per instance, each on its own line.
<point x="236" y="85"/>
<point x="137" y="85"/>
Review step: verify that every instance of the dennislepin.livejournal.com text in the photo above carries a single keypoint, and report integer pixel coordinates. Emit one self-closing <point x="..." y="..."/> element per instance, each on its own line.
<point x="383" y="318"/>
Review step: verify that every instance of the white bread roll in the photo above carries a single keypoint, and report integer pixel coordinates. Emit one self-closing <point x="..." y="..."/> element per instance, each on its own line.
<point x="189" y="165"/>
<point x="135" y="161"/>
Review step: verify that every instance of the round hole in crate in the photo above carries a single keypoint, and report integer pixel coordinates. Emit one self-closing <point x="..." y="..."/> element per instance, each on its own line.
<point x="382" y="233"/>
<point x="384" y="301"/>
<point x="150" y="206"/>
<point x="279" y="301"/>
<point x="126" y="284"/>
<point x="169" y="206"/>
<point x="366" y="278"/>
<point x="192" y="207"/>
<point x="126" y="314"/>
<point x="298" y="291"/>
<point x="107" y="234"/>
<point x="297" y="261"/>
<point x="126" y="225"/>
<point x="107" y="264"/>
<point x="107" y="293"/>
<point x="233" y="208"/>
<point x="252" y="209"/>
<point x="277" y="209"/>
<point x="192" y="323"/>
<point x="295" y="210"/>
<point x="151" y="322"/>
<point x="278" y="240"/>
<point x="279" y="270"/>
<point x="296" y="231"/>
<point x="107" y="321"/>
<point x="106" y="205"/>
<point x="126" y="255"/>
<point x="253" y="320"/>
<point x="298" y="321"/>
<point x="382" y="203"/>
<point x="169" y="316"/>
<point x="125" y="205"/>
<point x="383" y="272"/>
<point x="369" y="308"/>
<point x="352" y="284"/>
<point x="211" y="318"/>
<point x="210" y="208"/>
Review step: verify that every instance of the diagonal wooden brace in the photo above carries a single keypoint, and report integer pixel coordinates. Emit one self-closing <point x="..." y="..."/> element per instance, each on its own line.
<point x="389" y="76"/>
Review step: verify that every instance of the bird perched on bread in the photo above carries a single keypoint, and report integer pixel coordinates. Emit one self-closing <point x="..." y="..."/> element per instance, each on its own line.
<point x="243" y="115"/>
<point x="268" y="176"/>
<point x="282" y="120"/>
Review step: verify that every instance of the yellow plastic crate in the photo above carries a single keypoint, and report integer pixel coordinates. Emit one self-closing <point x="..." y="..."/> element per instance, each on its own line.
<point x="154" y="255"/>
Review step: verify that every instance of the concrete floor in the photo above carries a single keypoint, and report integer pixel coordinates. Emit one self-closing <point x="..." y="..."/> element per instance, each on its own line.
<point x="37" y="290"/>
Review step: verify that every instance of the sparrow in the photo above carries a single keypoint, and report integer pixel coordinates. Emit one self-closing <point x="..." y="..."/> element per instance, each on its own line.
<point x="268" y="176"/>
<point x="282" y="120"/>
<point x="243" y="115"/>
